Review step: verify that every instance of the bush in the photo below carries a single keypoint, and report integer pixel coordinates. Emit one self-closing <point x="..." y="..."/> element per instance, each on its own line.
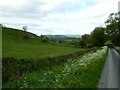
<point x="109" y="44"/>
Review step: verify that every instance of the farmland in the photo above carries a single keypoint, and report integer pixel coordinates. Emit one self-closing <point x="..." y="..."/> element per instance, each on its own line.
<point x="35" y="63"/>
<point x="60" y="44"/>
<point x="15" y="46"/>
<point x="76" y="73"/>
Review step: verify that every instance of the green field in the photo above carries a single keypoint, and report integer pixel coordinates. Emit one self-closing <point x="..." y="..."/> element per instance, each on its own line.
<point x="31" y="54"/>
<point x="36" y="63"/>
<point x="15" y="46"/>
<point x="20" y="50"/>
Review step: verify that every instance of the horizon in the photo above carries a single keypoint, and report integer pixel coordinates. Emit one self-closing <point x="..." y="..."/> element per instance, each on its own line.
<point x="36" y="34"/>
<point x="63" y="17"/>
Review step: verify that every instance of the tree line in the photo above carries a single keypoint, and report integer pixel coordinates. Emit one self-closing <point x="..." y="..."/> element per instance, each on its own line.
<point x="100" y="35"/>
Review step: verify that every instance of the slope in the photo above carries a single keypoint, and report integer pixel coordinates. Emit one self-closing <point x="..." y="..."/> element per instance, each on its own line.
<point x="15" y="45"/>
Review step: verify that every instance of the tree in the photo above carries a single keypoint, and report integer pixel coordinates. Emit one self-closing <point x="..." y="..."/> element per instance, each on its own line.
<point x="1" y="25"/>
<point x="25" y="34"/>
<point x="112" y="30"/>
<point x="25" y="28"/>
<point x="85" y="40"/>
<point x="98" y="36"/>
<point x="109" y="43"/>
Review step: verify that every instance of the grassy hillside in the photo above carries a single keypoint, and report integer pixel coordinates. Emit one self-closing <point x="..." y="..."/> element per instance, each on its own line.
<point x="14" y="45"/>
<point x="28" y="62"/>
<point x="25" y="55"/>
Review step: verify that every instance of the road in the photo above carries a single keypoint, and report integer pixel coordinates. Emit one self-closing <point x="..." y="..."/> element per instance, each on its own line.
<point x="110" y="77"/>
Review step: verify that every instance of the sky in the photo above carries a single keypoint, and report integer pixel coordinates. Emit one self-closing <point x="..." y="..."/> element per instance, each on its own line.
<point x="56" y="16"/>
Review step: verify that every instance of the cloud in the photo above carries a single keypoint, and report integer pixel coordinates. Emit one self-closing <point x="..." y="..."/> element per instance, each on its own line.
<point x="12" y="3"/>
<point x="56" y="16"/>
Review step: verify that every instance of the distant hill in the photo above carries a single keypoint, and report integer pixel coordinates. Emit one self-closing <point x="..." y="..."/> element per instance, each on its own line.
<point x="74" y="35"/>
<point x="63" y="37"/>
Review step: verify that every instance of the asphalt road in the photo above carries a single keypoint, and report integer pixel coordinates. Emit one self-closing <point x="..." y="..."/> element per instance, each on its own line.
<point x="110" y="77"/>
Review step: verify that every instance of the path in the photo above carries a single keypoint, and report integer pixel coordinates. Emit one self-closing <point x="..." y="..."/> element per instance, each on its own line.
<point x="111" y="71"/>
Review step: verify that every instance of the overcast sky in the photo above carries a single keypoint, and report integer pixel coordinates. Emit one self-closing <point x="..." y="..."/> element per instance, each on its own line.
<point x="56" y="16"/>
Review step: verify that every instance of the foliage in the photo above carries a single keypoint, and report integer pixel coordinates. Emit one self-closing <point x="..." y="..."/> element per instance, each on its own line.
<point x="85" y="40"/>
<point x="102" y="34"/>
<point x="25" y="28"/>
<point x="98" y="36"/>
<point x="109" y="43"/>
<point x="25" y="34"/>
<point x="44" y="39"/>
<point x="118" y="49"/>
<point x="113" y="28"/>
